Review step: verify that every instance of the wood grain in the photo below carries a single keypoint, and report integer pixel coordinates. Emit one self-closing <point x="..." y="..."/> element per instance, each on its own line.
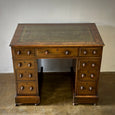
<point x="56" y="52"/>
<point x="81" y="42"/>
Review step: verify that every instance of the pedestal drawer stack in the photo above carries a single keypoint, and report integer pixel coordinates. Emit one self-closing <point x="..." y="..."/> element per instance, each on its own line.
<point x="87" y="76"/>
<point x="26" y="74"/>
<point x="79" y="41"/>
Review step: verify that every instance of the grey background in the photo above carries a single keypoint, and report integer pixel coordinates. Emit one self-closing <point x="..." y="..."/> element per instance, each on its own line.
<point x="12" y="12"/>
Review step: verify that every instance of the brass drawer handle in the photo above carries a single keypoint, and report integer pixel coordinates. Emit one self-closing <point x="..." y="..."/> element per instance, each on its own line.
<point x="83" y="75"/>
<point x="31" y="88"/>
<point x="84" y="64"/>
<point x="93" y="65"/>
<point x="19" y="64"/>
<point x="28" y="52"/>
<point x="29" y="64"/>
<point x="21" y="75"/>
<point x="81" y="87"/>
<point x="90" y="88"/>
<point x="94" y="52"/>
<point x="67" y="52"/>
<point x="84" y="52"/>
<point x="92" y="75"/>
<point x="18" y="52"/>
<point x="30" y="75"/>
<point x="46" y="52"/>
<point x="22" y="87"/>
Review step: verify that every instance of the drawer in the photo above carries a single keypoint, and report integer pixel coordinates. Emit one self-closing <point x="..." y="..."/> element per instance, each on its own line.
<point x="86" y="88"/>
<point x="56" y="52"/>
<point x="87" y="75"/>
<point x="89" y="64"/>
<point x="24" y="52"/>
<point x="90" y="52"/>
<point x="26" y="88"/>
<point x="26" y="75"/>
<point x="22" y="64"/>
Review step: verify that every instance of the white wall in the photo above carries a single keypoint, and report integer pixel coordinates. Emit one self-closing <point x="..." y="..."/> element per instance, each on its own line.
<point x="102" y="12"/>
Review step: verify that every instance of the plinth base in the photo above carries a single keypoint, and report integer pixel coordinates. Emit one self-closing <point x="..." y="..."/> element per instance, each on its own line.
<point x="27" y="100"/>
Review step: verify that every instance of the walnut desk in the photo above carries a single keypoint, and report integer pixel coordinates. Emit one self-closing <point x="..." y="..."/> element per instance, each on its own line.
<point x="80" y="42"/>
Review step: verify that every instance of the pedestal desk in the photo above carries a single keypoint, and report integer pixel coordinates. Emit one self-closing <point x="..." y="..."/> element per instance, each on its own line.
<point x="80" y="42"/>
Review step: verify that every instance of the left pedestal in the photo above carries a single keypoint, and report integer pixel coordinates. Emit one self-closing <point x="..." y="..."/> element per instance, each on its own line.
<point x="26" y="76"/>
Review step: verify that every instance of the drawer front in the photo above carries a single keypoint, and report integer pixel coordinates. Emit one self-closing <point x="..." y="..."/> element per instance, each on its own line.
<point x="89" y="65"/>
<point x="88" y="75"/>
<point x="90" y="52"/>
<point x="26" y="88"/>
<point x="24" y="52"/>
<point x="56" y="52"/>
<point x="22" y="64"/>
<point x="26" y="75"/>
<point x="86" y="88"/>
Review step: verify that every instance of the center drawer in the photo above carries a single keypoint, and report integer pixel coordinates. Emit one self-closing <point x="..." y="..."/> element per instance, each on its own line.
<point x="56" y="52"/>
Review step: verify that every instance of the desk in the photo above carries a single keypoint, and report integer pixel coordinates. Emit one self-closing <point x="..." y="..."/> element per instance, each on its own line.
<point x="80" y="42"/>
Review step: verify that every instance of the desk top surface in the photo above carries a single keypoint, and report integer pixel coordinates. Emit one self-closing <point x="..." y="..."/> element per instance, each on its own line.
<point x="44" y="35"/>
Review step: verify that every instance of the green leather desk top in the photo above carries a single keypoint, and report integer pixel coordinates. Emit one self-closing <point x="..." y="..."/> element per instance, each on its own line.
<point x="57" y="35"/>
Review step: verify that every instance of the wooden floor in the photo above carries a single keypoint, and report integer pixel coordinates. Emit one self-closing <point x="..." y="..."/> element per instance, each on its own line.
<point x="56" y="96"/>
